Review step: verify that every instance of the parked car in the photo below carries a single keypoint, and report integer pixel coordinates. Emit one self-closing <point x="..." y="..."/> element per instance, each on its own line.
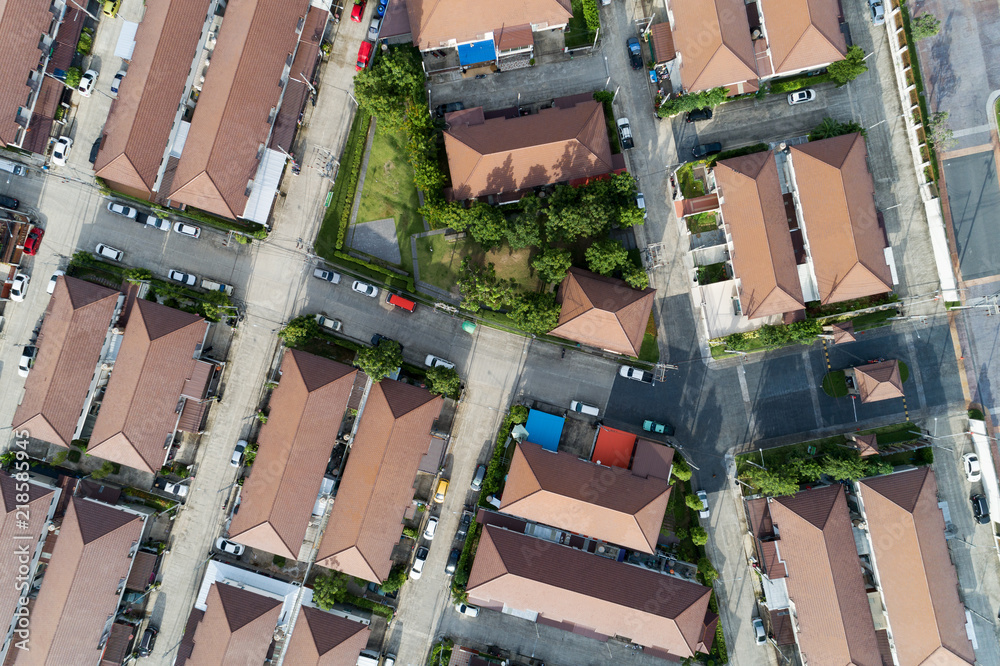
<point x="111" y="7"/>
<point x="364" y="55"/>
<point x="658" y="428"/>
<point x="19" y="287"/>
<point x="122" y="209"/>
<point x="108" y="252"/>
<point x="53" y="280"/>
<point x="448" y="108"/>
<point x="237" y="456"/>
<point x="329" y="276"/>
<point x="477" y="480"/>
<point x="358" y="10"/>
<point x="698" y="115"/>
<point x="452" y="564"/>
<point x="378" y="337"/>
<point x="878" y="11"/>
<point x="60" y="151"/>
<point x="703" y="496"/>
<point x="382" y="6"/>
<point x="94" y="149"/>
<point x="973" y="470"/>
<point x="183" y="278"/>
<point x="87" y="82"/>
<point x="463" y="524"/>
<point x="581" y="408"/>
<point x="185" y="229"/>
<point x="466" y="609"/>
<point x="706" y="149"/>
<point x="231" y="547"/>
<point x="179" y="489"/>
<point x="153" y="222"/>
<point x="148" y="641"/>
<point x="418" y="563"/>
<point x="365" y="288"/>
<point x="28" y="355"/>
<point x="625" y="133"/>
<point x="432" y="525"/>
<point x="640" y="203"/>
<point x="628" y="372"/>
<point x="333" y="325"/>
<point x="759" y="635"/>
<point x="433" y="361"/>
<point x="634" y="52"/>
<point x="980" y="509"/>
<point x="801" y="96"/>
<point x="33" y="240"/>
<point x="373" y="28"/>
<point x="442" y="490"/>
<point x="116" y="83"/>
<point x="9" y="202"/>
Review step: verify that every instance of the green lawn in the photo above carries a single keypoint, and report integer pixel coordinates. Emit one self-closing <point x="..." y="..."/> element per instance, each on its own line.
<point x="577" y="34"/>
<point x="712" y="273"/>
<point x="690" y="186"/>
<point x="701" y="222"/>
<point x="874" y="319"/>
<point x="904" y="372"/>
<point x="389" y="191"/>
<point x="650" y="349"/>
<point x="835" y="384"/>
<point x="441" y="261"/>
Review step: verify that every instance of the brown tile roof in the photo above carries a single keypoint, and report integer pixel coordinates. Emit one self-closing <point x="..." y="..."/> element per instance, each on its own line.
<point x="82" y="584"/>
<point x="878" y="381"/>
<point x="295" y="445"/>
<point x="603" y="312"/>
<point x="841" y="224"/>
<point x="509" y="154"/>
<point x="237" y="628"/>
<point x="763" y="256"/>
<point x="652" y="460"/>
<point x="22" y="23"/>
<point x="610" y="504"/>
<point x="803" y="34"/>
<point x="713" y="38"/>
<point x="843" y="332"/>
<point x="143" y="569"/>
<point x="117" y="647"/>
<point x="781" y="627"/>
<point x="40" y="128"/>
<point x="139" y="411"/>
<point x="824" y="577"/>
<point x="434" y="23"/>
<point x="12" y="530"/>
<point x="915" y="571"/>
<point x="663" y="42"/>
<point x="231" y="120"/>
<point x="325" y="639"/>
<point x="513" y="37"/>
<point x="141" y="118"/>
<point x="589" y="592"/>
<point x="867" y="444"/>
<point x="296" y="92"/>
<point x="377" y="487"/>
<point x="70" y="342"/>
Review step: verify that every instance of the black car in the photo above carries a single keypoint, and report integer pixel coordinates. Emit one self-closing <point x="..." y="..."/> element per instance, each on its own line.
<point x="980" y="509"/>
<point x="148" y="641"/>
<point x="698" y="114"/>
<point x="378" y="337"/>
<point x="634" y="52"/>
<point x="706" y="149"/>
<point x="96" y="147"/>
<point x="463" y="524"/>
<point x="448" y="108"/>
<point x="452" y="561"/>
<point x="9" y="202"/>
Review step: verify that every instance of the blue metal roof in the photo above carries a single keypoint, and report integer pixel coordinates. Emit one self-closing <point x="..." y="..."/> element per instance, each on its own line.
<point x="477" y="52"/>
<point x="544" y="429"/>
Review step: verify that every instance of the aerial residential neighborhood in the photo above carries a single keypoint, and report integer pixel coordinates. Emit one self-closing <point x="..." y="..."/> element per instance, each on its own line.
<point x="499" y="333"/>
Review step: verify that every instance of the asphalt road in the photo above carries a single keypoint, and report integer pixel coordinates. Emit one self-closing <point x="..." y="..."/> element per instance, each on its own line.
<point x="973" y="201"/>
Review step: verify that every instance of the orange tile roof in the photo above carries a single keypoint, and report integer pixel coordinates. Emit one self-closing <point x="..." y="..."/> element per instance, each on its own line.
<point x="603" y="312"/>
<point x="613" y="447"/>
<point x="513" y="37"/>
<point x="560" y="490"/>
<point x="72" y="335"/>
<point x="879" y="381"/>
<point x="377" y="486"/>
<point x="843" y="332"/>
<point x="713" y="38"/>
<point x="841" y="225"/>
<point x="307" y="409"/>
<point x="436" y="22"/>
<point x="867" y="445"/>
<point x="915" y="572"/>
<point x="763" y="255"/>
<point x="237" y="628"/>
<point x="22" y="23"/>
<point x="803" y="34"/>
<point x="509" y="154"/>
<point x="325" y="639"/>
<point x="663" y="42"/>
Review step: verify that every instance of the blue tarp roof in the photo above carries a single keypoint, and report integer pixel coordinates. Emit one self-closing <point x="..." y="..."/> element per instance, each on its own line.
<point x="477" y="52"/>
<point x="544" y="429"/>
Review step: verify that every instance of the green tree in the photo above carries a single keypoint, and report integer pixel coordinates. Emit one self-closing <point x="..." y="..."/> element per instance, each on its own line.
<point x="299" y="330"/>
<point x="681" y="469"/>
<point x="924" y="26"/>
<point x="480" y="285"/>
<point x="591" y="14"/>
<point x="692" y="502"/>
<point x="635" y="276"/>
<point x="606" y="256"/>
<point x="388" y="88"/>
<point x="211" y="305"/>
<point x="699" y="536"/>
<point x="578" y="212"/>
<point x="105" y="469"/>
<point x="851" y="67"/>
<point x="444" y="381"/>
<point x="136" y="275"/>
<point x="486" y="225"/>
<point x="445" y="215"/>
<point x="708" y="572"/>
<point x="250" y="453"/>
<point x="630" y="216"/>
<point x="875" y="466"/>
<point x="829" y="128"/>
<point x="73" y="75"/>
<point x="329" y="590"/>
<point x="691" y="101"/>
<point x="526" y="229"/>
<point x="380" y="361"/>
<point x="535" y="313"/>
<point x="801" y="469"/>
<point x="849" y="465"/>
<point x="395" y="579"/>
<point x="553" y="264"/>
<point x="938" y="130"/>
<point x="422" y="152"/>
<point x="769" y="483"/>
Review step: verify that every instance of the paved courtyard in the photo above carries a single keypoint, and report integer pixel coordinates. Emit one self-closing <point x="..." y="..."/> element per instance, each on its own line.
<point x="377" y="238"/>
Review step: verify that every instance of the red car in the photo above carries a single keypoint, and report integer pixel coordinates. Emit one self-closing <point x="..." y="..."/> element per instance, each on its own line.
<point x="33" y="241"/>
<point x="364" y="55"/>
<point x="358" y="11"/>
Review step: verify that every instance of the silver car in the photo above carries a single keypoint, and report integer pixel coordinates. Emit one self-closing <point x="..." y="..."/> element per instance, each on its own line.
<point x="365" y="288"/>
<point x="801" y="96"/>
<point x="231" y="547"/>
<point x="183" y="278"/>
<point x="187" y="229"/>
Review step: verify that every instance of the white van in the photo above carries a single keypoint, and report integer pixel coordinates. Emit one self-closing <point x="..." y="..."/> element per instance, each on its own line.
<point x="13" y="167"/>
<point x="589" y="410"/>
<point x="209" y="285"/>
<point x="108" y="252"/>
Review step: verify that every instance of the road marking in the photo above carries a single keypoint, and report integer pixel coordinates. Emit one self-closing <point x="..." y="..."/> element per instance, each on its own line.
<point x="741" y="375"/>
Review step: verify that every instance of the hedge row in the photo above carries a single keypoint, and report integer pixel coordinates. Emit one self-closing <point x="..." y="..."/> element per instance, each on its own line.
<point x="797" y="83"/>
<point x="393" y="278"/>
<point x="737" y="152"/>
<point x="346" y="184"/>
<point x="367" y="604"/>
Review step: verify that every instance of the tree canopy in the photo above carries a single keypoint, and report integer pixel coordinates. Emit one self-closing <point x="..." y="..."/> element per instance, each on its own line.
<point x="535" y="313"/>
<point x="706" y="99"/>
<point x="299" y="330"/>
<point x="606" y="256"/>
<point x="553" y="264"/>
<point x="380" y="361"/>
<point x="389" y="87"/>
<point x="329" y="590"/>
<point x="444" y="381"/>
<point x="480" y="285"/>
<point x="851" y="67"/>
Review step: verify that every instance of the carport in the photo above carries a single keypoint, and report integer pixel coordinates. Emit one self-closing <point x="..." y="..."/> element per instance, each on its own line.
<point x="613" y="447"/>
<point x="544" y="429"/>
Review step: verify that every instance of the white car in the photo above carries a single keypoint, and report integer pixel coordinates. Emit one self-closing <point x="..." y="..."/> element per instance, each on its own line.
<point x="973" y="470"/>
<point x="108" y="252"/>
<point x="628" y="372"/>
<point x="178" y="489"/>
<point x="116" y="84"/>
<point x="61" y="150"/>
<point x="53" y="280"/>
<point x="153" y="222"/>
<point x="87" y="83"/>
<point x="418" y="563"/>
<point x="183" y="278"/>
<point x="759" y="635"/>
<point x="703" y="496"/>
<point x="27" y="360"/>
<point x="238" y="453"/>
<point x="432" y="525"/>
<point x="640" y="202"/>
<point x="365" y="288"/>
<point x="231" y="547"/>
<point x="187" y="229"/>
<point x="433" y="361"/>
<point x="329" y="276"/>
<point x="121" y="209"/>
<point x="801" y="96"/>
<point x="466" y="609"/>
<point x="19" y="287"/>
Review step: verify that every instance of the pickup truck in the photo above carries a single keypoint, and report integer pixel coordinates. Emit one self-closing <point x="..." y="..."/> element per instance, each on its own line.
<point x="625" y="133"/>
<point x="628" y="372"/>
<point x="635" y="52"/>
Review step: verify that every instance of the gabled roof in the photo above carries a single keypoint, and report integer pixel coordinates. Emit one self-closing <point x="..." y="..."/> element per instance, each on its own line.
<point x="13" y="528"/>
<point x="22" y="23"/>
<point x="915" y="571"/>
<point x="325" y="639"/>
<point x="591" y="594"/>
<point x="879" y="381"/>
<point x="713" y="37"/>
<point x="81" y="587"/>
<point x="237" y="628"/>
<point x="843" y="332"/>
<point x="763" y="256"/>
<point x="509" y="154"/>
<point x="231" y="122"/>
<point x="607" y="503"/>
<point x="845" y="240"/>
<point x="803" y="34"/>
<point x="294" y="448"/>
<point x="824" y="580"/>
<point x="867" y="445"/>
<point x="139" y="409"/>
<point x="377" y="487"/>
<point x="70" y="342"/>
<point x="435" y="22"/>
<point x="140" y="121"/>
<point x="603" y="312"/>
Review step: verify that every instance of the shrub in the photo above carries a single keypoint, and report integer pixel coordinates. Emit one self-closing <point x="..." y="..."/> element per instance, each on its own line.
<point x="74" y="456"/>
<point x="60" y="457"/>
<point x="636" y="277"/>
<point x="737" y="152"/>
<point x="699" y="536"/>
<point x="692" y="502"/>
<point x="395" y="579"/>
<point x="924" y="26"/>
<point x="829" y="128"/>
<point x="591" y="14"/>
<point x="73" y="75"/>
<point x="86" y="42"/>
<point x="106" y="468"/>
<point x="691" y="101"/>
<point x="851" y="67"/>
<point x="278" y="561"/>
<point x="707" y="571"/>
<point x="681" y="470"/>
<point x="411" y="533"/>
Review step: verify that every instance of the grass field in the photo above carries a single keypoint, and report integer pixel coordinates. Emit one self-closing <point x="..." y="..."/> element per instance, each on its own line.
<point x="650" y="350"/>
<point x="577" y="34"/>
<point x="342" y="194"/>
<point x="441" y="262"/>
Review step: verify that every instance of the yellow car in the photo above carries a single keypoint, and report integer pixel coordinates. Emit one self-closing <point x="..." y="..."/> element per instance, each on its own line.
<point x="442" y="490"/>
<point x="111" y="7"/>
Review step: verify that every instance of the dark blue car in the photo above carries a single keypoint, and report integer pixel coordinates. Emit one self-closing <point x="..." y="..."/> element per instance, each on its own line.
<point x="380" y="10"/>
